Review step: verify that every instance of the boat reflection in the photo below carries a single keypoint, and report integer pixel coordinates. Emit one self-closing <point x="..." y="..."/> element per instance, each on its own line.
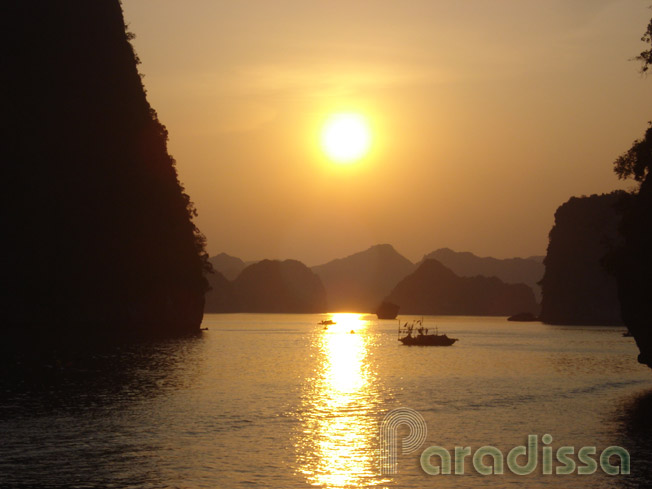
<point x="338" y="440"/>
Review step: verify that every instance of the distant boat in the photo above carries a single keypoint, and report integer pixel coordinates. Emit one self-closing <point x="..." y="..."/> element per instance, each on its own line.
<point x="327" y="322"/>
<point x="387" y="310"/>
<point x="420" y="337"/>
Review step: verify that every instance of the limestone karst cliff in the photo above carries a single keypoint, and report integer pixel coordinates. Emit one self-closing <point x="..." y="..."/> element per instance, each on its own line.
<point x="577" y="286"/>
<point x="98" y="230"/>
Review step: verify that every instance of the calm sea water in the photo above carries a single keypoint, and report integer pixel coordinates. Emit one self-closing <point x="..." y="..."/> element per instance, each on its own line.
<point x="276" y="401"/>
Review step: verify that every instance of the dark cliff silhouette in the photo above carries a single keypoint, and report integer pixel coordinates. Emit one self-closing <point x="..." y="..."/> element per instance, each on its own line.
<point x="270" y="286"/>
<point x="527" y="271"/>
<point x="227" y="265"/>
<point x="577" y="287"/>
<point x="98" y="229"/>
<point x="360" y="281"/>
<point x="632" y="263"/>
<point x="434" y="289"/>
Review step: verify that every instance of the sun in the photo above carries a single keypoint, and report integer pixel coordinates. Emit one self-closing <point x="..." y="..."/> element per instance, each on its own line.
<point x="346" y="137"/>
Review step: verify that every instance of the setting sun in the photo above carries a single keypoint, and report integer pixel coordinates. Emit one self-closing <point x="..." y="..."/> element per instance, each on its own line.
<point x="346" y="138"/>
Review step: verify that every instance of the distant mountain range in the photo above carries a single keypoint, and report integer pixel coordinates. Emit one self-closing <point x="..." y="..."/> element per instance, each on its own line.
<point x="270" y="286"/>
<point x="527" y="271"/>
<point x="227" y="265"/>
<point x="221" y="296"/>
<point x="435" y="289"/>
<point x="360" y="282"/>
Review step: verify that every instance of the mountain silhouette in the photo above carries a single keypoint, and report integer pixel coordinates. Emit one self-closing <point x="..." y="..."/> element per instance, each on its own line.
<point x="227" y="265"/>
<point x="577" y="288"/>
<point x="435" y="289"/>
<point x="359" y="282"/>
<point x="270" y="286"/>
<point x="527" y="271"/>
<point x="221" y="296"/>
<point x="98" y="230"/>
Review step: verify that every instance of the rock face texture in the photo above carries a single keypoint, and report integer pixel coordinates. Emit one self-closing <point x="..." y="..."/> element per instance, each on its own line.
<point x="577" y="286"/>
<point x="435" y="289"/>
<point x="358" y="283"/>
<point x="99" y="230"/>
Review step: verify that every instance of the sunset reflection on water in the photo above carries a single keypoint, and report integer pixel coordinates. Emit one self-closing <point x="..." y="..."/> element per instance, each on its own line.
<point x="338" y="441"/>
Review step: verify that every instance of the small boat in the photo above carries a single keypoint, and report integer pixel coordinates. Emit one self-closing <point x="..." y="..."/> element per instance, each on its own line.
<point x="326" y="322"/>
<point x="422" y="338"/>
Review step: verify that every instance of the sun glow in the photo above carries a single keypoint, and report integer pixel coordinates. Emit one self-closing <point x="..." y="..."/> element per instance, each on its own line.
<point x="345" y="322"/>
<point x="346" y="137"/>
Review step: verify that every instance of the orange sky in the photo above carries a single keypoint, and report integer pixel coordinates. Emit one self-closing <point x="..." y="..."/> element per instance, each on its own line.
<point x="487" y="115"/>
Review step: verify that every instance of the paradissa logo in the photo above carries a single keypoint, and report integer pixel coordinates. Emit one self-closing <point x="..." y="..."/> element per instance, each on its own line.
<point x="488" y="460"/>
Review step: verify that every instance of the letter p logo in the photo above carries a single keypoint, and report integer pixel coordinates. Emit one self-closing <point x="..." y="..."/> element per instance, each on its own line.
<point x="389" y="434"/>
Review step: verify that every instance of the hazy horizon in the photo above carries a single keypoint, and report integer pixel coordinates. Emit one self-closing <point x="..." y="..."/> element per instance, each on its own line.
<point x="412" y="259"/>
<point x="485" y="117"/>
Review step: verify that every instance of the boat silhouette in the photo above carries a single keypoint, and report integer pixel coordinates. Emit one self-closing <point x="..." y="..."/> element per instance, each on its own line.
<point x="418" y="336"/>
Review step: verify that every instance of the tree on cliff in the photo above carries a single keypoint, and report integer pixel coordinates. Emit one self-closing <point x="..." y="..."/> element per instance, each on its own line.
<point x="98" y="228"/>
<point x="633" y="262"/>
<point x="636" y="162"/>
<point x="646" y="56"/>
